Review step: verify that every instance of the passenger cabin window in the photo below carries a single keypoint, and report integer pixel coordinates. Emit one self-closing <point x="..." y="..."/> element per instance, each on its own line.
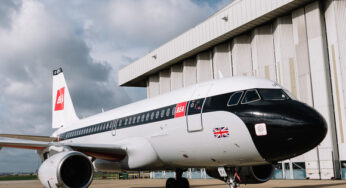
<point x="147" y="117"/>
<point x="142" y="118"/>
<point x="162" y="113"/>
<point x="250" y="96"/>
<point x="157" y="114"/>
<point x="152" y="115"/>
<point x="173" y="111"/>
<point x="168" y="112"/>
<point x="234" y="99"/>
<point x="195" y="106"/>
<point x="273" y="94"/>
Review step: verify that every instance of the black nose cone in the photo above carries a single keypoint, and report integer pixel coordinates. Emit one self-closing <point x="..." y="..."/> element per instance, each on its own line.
<point x="300" y="131"/>
<point x="293" y="128"/>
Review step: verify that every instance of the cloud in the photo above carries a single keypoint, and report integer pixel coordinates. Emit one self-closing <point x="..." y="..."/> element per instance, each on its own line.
<point x="91" y="41"/>
<point x="7" y="11"/>
<point x="32" y="46"/>
<point x="152" y="22"/>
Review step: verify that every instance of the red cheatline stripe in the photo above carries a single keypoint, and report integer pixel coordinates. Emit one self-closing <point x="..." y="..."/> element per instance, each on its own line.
<point x="24" y="147"/>
<point x="105" y="156"/>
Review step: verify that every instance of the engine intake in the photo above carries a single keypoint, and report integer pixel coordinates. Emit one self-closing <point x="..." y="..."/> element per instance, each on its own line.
<point x="67" y="169"/>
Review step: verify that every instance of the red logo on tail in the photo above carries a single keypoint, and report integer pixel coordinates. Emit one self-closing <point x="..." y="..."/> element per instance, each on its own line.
<point x="59" y="103"/>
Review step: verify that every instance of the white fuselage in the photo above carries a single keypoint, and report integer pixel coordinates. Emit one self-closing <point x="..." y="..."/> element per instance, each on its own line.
<point x="178" y="142"/>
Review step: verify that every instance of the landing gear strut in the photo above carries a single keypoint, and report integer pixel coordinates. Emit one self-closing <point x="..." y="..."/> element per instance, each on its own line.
<point x="178" y="182"/>
<point x="232" y="179"/>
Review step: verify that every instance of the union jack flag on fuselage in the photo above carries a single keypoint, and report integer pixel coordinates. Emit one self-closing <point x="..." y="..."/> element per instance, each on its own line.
<point x="221" y="132"/>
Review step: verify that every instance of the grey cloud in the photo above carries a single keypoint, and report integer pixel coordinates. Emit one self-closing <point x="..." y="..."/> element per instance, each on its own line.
<point x="30" y="161"/>
<point x="7" y="10"/>
<point x="149" y="22"/>
<point x="90" y="40"/>
<point x="26" y="77"/>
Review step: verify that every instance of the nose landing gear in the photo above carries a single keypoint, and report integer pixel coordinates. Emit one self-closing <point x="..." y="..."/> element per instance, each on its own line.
<point x="178" y="182"/>
<point x="233" y="179"/>
<point x="228" y="175"/>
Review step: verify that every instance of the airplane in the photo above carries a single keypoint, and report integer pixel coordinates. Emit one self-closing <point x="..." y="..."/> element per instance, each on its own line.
<point x="236" y="128"/>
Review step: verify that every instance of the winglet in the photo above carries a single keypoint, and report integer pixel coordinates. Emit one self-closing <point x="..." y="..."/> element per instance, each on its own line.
<point x="63" y="112"/>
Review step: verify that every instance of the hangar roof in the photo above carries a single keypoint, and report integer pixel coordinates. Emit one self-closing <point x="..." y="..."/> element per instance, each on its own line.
<point x="237" y="17"/>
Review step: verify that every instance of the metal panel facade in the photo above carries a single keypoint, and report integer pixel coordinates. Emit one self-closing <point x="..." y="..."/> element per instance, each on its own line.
<point x="222" y="62"/>
<point x="263" y="57"/>
<point x="286" y="64"/>
<point x="240" y="16"/>
<point x="304" y="49"/>
<point x="190" y="72"/>
<point x="204" y="67"/>
<point x="335" y="17"/>
<point x="241" y="56"/>
<point x="177" y="76"/>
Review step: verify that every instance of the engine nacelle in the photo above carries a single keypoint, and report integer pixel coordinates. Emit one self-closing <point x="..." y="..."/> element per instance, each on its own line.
<point x="67" y="169"/>
<point x="256" y="174"/>
<point x="248" y="174"/>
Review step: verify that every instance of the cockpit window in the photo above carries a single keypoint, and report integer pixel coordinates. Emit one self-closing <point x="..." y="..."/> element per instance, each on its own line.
<point x="250" y="96"/>
<point x="273" y="94"/>
<point x="290" y="95"/>
<point x="234" y="99"/>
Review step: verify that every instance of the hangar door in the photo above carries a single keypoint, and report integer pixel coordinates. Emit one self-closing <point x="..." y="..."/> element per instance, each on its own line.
<point x="194" y="108"/>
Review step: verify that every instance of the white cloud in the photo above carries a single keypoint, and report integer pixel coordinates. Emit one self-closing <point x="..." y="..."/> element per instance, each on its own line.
<point x="152" y="22"/>
<point x="35" y="43"/>
<point x="91" y="40"/>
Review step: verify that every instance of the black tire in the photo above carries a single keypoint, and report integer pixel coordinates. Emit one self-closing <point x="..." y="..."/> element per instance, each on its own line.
<point x="171" y="183"/>
<point x="183" y="183"/>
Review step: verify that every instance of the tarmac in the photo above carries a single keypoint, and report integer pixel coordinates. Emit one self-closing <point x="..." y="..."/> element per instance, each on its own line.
<point x="195" y="183"/>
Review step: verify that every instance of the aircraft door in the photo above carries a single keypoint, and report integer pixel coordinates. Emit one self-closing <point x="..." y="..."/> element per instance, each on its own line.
<point x="194" y="108"/>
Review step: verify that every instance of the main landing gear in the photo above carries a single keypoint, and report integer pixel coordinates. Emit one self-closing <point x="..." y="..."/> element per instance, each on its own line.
<point x="178" y="182"/>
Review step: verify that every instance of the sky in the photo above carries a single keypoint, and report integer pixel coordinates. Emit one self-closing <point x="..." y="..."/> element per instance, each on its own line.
<point x="91" y="41"/>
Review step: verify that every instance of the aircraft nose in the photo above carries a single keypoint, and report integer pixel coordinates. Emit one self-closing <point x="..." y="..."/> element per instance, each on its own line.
<point x="291" y="129"/>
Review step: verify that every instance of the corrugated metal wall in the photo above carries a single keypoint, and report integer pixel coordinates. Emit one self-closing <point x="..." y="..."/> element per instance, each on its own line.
<point x="229" y="22"/>
<point x="296" y="51"/>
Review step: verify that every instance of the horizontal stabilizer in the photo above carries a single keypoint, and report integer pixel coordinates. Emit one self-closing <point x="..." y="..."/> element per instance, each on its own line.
<point x="30" y="137"/>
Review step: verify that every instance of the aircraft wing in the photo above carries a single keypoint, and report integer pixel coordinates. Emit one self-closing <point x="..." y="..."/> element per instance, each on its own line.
<point x="99" y="151"/>
<point x="34" y="145"/>
<point x="30" y="137"/>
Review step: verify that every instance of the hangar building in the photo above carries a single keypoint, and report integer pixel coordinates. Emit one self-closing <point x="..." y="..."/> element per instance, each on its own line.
<point x="301" y="44"/>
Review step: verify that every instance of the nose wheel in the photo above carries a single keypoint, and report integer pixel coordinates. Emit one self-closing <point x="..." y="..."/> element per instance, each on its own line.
<point x="233" y="179"/>
<point x="178" y="182"/>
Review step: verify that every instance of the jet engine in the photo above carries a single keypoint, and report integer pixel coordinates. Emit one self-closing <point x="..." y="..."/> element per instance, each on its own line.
<point x="66" y="169"/>
<point x="248" y="174"/>
<point x="256" y="174"/>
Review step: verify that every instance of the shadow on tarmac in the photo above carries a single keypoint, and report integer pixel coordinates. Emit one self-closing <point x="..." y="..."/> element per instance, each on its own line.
<point x="192" y="186"/>
<point x="314" y="186"/>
